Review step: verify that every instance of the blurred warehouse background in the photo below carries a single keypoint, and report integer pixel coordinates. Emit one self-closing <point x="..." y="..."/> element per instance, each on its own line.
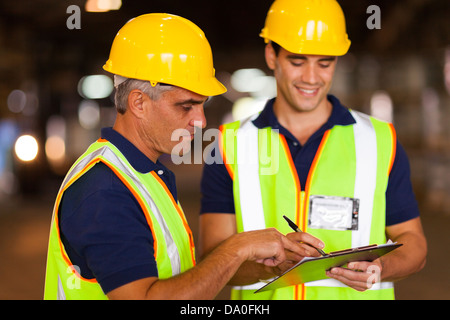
<point x="55" y="97"/>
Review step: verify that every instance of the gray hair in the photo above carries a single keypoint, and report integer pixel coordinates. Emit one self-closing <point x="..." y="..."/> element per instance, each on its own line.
<point x="125" y="85"/>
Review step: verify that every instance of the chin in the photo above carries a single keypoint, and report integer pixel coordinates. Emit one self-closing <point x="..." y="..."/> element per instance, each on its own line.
<point x="181" y="148"/>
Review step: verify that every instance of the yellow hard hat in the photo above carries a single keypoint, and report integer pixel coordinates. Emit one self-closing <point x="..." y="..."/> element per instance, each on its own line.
<point x="307" y="27"/>
<point x="165" y="48"/>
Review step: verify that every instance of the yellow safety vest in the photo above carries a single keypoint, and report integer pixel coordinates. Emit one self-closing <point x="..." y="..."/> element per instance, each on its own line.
<point x="173" y="241"/>
<point x="353" y="161"/>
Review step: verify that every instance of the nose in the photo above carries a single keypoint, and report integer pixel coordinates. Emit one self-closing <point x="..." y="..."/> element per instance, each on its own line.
<point x="310" y="74"/>
<point x="198" y="118"/>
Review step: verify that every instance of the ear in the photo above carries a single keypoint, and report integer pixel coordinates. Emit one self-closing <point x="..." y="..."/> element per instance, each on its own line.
<point x="271" y="56"/>
<point x="136" y="100"/>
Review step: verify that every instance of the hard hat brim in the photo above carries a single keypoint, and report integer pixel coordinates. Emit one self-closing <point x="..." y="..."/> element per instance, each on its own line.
<point x="209" y="87"/>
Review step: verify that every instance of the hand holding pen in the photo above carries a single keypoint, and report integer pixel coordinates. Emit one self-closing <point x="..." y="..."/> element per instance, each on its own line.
<point x="297" y="229"/>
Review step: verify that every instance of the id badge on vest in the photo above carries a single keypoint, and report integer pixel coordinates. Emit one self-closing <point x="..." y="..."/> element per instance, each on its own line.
<point x="333" y="213"/>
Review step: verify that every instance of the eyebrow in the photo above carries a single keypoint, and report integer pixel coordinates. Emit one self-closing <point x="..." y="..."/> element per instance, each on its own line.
<point x="190" y="101"/>
<point x="294" y="56"/>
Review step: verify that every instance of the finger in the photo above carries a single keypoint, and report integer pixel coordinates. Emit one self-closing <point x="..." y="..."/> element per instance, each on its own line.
<point x="271" y="262"/>
<point x="306" y="238"/>
<point x="371" y="269"/>
<point x="365" y="266"/>
<point x="304" y="251"/>
<point x="356" y="280"/>
<point x="351" y="275"/>
<point x="293" y="246"/>
<point x="359" y="286"/>
<point x="310" y="251"/>
<point x="295" y="257"/>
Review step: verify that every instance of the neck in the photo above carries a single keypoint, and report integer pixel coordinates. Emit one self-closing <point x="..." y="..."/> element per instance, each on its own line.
<point x="302" y="123"/>
<point x="131" y="132"/>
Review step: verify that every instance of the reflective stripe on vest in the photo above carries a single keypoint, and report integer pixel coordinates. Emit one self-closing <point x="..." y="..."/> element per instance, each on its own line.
<point x="101" y="151"/>
<point x="248" y="189"/>
<point x="108" y="154"/>
<point x="248" y="160"/>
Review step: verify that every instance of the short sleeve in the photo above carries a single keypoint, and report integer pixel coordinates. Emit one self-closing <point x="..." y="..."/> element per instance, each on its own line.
<point x="104" y="230"/>
<point x="401" y="203"/>
<point x="216" y="187"/>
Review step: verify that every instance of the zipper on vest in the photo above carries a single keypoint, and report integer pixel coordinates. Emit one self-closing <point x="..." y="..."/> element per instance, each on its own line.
<point x="302" y="196"/>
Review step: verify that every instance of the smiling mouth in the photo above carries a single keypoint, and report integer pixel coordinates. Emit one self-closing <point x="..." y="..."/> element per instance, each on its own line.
<point x="308" y="92"/>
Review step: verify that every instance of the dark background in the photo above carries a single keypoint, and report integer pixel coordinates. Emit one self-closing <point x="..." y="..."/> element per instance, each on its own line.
<point x="408" y="60"/>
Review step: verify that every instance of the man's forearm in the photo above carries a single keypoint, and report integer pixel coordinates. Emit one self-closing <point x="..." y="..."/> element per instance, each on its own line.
<point x="251" y="272"/>
<point x="409" y="258"/>
<point x="205" y="280"/>
<point x="200" y="282"/>
<point x="406" y="260"/>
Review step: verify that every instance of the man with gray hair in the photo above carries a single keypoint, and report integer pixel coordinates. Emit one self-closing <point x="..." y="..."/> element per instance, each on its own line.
<point x="124" y="85"/>
<point x="118" y="231"/>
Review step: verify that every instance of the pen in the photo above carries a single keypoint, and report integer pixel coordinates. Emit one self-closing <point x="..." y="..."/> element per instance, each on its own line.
<point x="297" y="229"/>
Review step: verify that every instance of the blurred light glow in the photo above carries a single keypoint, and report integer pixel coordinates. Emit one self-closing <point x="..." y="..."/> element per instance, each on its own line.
<point x="26" y="148"/>
<point x="89" y="114"/>
<point x="267" y="89"/>
<point x="248" y="80"/>
<point x="247" y="106"/>
<point x="381" y="106"/>
<point x="16" y="101"/>
<point x="31" y="104"/>
<point x="102" y="5"/>
<point x="55" y="148"/>
<point x="95" y="86"/>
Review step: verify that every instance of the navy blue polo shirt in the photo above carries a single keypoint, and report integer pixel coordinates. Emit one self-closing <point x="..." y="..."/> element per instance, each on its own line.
<point x="217" y="185"/>
<point x="102" y="225"/>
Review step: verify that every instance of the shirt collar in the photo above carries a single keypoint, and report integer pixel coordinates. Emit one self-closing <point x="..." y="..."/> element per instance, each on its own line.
<point x="135" y="157"/>
<point x="340" y="115"/>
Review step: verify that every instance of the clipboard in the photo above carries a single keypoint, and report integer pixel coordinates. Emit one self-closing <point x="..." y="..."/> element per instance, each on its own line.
<point x="312" y="269"/>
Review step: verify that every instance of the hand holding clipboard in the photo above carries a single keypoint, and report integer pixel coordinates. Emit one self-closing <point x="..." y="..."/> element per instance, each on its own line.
<point x="314" y="268"/>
